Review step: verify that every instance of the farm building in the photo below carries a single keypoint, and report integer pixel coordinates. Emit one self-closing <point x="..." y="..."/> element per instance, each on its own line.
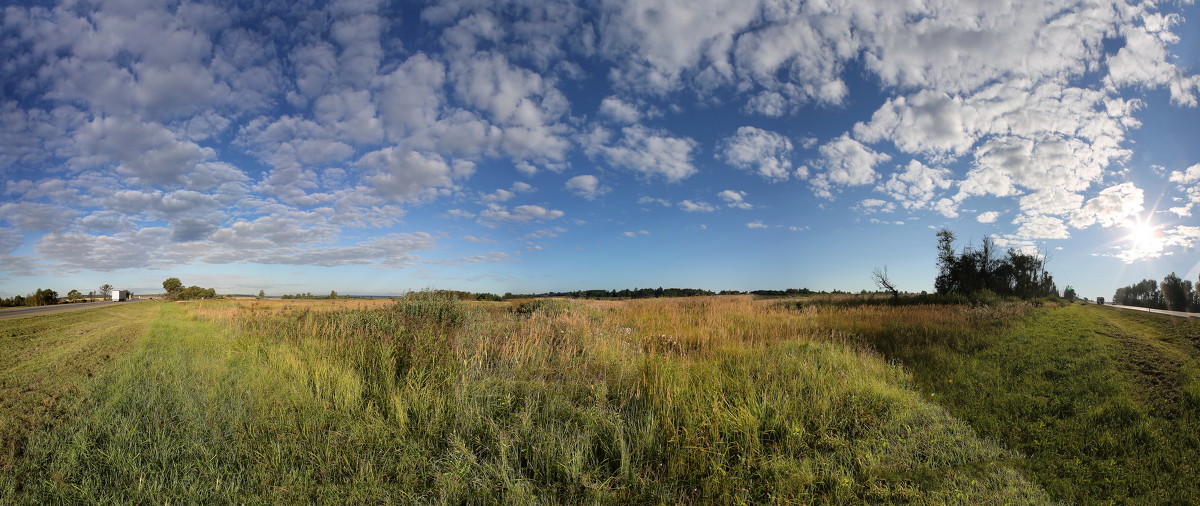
<point x="120" y="295"/>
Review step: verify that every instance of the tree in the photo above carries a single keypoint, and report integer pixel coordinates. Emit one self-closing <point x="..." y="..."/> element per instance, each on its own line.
<point x="106" y="290"/>
<point x="946" y="262"/>
<point x="332" y="294"/>
<point x="74" y="295"/>
<point x="173" y="286"/>
<point x="1176" y="293"/>
<point x="973" y="271"/>
<point x="1069" y="294"/>
<point x="42" y="297"/>
<point x="262" y="294"/>
<point x="881" y="280"/>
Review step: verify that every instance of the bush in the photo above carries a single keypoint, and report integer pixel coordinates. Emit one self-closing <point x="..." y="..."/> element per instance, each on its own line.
<point x="545" y="307"/>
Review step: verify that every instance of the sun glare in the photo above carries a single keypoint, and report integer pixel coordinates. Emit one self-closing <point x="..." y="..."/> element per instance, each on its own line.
<point x="1144" y="240"/>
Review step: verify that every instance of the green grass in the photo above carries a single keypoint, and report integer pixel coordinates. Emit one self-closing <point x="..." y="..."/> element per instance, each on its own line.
<point x="438" y="401"/>
<point x="1102" y="402"/>
<point x="45" y="360"/>
<point x="711" y="400"/>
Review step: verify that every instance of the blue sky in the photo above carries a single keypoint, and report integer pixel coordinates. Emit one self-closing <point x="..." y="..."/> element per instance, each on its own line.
<point x="521" y="146"/>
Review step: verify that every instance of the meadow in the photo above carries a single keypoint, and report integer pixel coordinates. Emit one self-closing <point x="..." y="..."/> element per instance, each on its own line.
<point x="726" y="399"/>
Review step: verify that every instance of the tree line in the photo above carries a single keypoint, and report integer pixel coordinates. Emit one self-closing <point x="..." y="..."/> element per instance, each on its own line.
<point x="176" y="291"/>
<point x="1172" y="293"/>
<point x="48" y="297"/>
<point x="975" y="271"/>
<point x="308" y="295"/>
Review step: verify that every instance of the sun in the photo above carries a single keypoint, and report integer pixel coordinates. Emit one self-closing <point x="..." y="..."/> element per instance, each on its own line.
<point x="1144" y="239"/>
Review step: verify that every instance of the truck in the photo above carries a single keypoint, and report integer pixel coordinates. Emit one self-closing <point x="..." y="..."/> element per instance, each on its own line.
<point x="120" y="295"/>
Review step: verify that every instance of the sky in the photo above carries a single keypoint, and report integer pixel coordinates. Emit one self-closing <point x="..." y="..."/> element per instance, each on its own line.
<point x="522" y="146"/>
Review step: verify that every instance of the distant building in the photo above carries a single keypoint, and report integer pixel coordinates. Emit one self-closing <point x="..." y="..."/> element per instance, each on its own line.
<point x="120" y="295"/>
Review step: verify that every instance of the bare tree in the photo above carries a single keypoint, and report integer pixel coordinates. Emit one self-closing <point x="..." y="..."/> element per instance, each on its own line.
<point x="880" y="276"/>
<point x="105" y="290"/>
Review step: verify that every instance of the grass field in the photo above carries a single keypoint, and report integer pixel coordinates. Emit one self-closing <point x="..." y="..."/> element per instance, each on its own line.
<point x="717" y="399"/>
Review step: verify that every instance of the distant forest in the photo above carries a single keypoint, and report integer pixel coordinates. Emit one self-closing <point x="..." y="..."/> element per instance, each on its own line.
<point x="1172" y="293"/>
<point x="636" y="293"/>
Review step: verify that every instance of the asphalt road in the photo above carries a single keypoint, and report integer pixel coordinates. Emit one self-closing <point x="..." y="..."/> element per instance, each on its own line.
<point x="21" y="312"/>
<point x="1180" y="314"/>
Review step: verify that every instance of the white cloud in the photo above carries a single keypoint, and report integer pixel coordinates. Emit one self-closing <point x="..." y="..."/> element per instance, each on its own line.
<point x="619" y="110"/>
<point x="1040" y="227"/>
<point x="404" y="175"/>
<point x="696" y="207"/>
<point x="520" y="214"/>
<point x="656" y="42"/>
<point x="756" y="224"/>
<point x="917" y="185"/>
<point x="1186" y="176"/>
<point x="637" y="233"/>
<point x="149" y="154"/>
<point x="1143" y="60"/>
<point x="654" y="200"/>
<point x="876" y="206"/>
<point x="1113" y="206"/>
<point x="37" y="216"/>
<point x="500" y="195"/>
<point x="987" y="217"/>
<point x="735" y="199"/>
<point x="928" y="122"/>
<point x="526" y="106"/>
<point x="846" y="162"/>
<point x="649" y="152"/>
<point x="586" y="186"/>
<point x="758" y="151"/>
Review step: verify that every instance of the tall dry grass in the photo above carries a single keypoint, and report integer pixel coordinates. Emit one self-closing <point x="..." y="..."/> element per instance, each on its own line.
<point x="721" y="399"/>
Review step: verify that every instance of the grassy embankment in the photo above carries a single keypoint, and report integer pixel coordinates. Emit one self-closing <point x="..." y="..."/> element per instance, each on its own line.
<point x="1105" y="403"/>
<point x="721" y="399"/>
<point x="44" y="362"/>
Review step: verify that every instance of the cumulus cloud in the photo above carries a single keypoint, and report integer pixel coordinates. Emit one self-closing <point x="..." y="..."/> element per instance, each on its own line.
<point x="1113" y="206"/>
<point x="1040" y="227"/>
<point x="586" y="186"/>
<point x="756" y="224"/>
<point x="653" y="153"/>
<point x="402" y="174"/>
<point x="987" y="217"/>
<point x="759" y="152"/>
<point x="916" y="185"/>
<point x="1190" y="175"/>
<point x="520" y="214"/>
<point x="131" y="123"/>
<point x="34" y="216"/>
<point x="927" y="123"/>
<point x="619" y="110"/>
<point x="735" y="199"/>
<point x="869" y="206"/>
<point x="696" y="207"/>
<point x="847" y="162"/>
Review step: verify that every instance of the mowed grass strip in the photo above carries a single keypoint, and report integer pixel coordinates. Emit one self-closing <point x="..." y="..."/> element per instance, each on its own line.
<point x="1103" y="403"/>
<point x="439" y="401"/>
<point x="45" y="359"/>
